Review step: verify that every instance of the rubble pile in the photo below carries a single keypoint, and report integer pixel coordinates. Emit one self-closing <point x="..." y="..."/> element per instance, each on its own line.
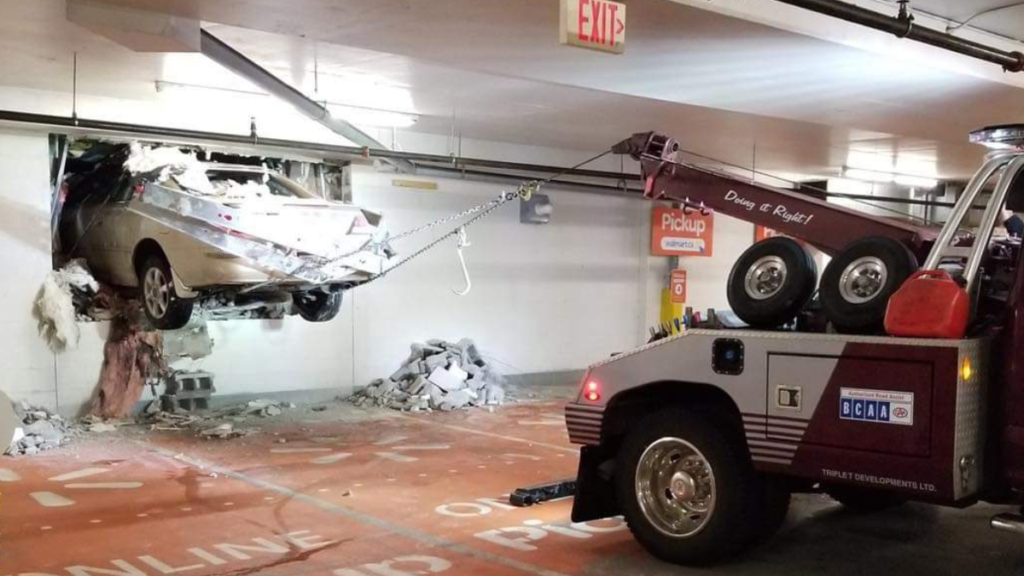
<point x="40" y="430"/>
<point x="222" y="423"/>
<point x="437" y="375"/>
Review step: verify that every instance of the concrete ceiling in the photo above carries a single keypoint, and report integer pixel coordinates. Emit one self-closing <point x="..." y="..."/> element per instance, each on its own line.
<point x="1002" y="17"/>
<point x="719" y="83"/>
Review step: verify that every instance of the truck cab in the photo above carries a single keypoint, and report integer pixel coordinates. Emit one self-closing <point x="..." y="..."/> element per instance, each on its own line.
<point x="700" y="438"/>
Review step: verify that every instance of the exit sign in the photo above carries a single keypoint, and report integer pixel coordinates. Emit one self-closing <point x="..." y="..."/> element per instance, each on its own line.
<point x="594" y="24"/>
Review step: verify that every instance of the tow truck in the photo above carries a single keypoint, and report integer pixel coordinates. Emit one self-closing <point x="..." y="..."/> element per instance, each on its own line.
<point x="700" y="438"/>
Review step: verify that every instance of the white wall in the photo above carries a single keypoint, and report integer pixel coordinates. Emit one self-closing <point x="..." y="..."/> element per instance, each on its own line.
<point x="26" y="364"/>
<point x="545" y="298"/>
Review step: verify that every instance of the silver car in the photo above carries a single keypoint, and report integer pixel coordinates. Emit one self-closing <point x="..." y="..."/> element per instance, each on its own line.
<point x="246" y="234"/>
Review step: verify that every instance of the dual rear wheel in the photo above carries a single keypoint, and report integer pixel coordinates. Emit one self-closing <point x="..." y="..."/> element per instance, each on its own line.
<point x="775" y="278"/>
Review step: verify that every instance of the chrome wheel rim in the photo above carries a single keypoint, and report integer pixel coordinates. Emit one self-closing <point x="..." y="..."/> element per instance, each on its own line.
<point x="675" y="487"/>
<point x="765" y="277"/>
<point x="863" y="279"/>
<point x="156" y="292"/>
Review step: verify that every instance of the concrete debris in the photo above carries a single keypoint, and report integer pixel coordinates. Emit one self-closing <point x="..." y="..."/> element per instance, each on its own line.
<point x="437" y="375"/>
<point x="222" y="431"/>
<point x="64" y="291"/>
<point x="224" y="423"/>
<point x="192" y="342"/>
<point x="40" y="430"/>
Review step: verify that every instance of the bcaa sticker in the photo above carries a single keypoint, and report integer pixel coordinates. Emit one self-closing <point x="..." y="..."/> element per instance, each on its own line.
<point x="678" y="233"/>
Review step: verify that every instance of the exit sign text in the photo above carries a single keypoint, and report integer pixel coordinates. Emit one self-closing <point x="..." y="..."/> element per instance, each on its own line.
<point x="594" y="24"/>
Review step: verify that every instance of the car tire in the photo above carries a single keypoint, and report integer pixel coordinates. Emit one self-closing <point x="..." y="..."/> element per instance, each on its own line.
<point x="163" y="308"/>
<point x="317" y="305"/>
<point x="713" y="488"/>
<point x="857" y="283"/>
<point x="865" y="500"/>
<point x="771" y="281"/>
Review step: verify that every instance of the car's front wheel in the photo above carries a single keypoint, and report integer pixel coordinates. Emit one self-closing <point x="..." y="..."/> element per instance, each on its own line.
<point x="317" y="305"/>
<point x="164" y="309"/>
<point x="688" y="491"/>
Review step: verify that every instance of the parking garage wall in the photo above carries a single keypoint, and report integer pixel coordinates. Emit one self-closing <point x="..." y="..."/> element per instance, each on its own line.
<point x="545" y="298"/>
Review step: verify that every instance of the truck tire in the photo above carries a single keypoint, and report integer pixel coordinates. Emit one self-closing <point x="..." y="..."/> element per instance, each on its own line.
<point x="163" y="308"/>
<point x="687" y="489"/>
<point x="865" y="500"/>
<point x="771" y="281"/>
<point x="857" y="283"/>
<point x="317" y="305"/>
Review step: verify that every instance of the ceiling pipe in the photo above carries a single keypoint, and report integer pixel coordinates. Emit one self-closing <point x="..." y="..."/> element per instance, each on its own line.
<point x="220" y="52"/>
<point x="619" y="183"/>
<point x="902" y="26"/>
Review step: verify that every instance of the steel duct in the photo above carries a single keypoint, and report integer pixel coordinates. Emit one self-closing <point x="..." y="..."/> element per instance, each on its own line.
<point x="220" y="52"/>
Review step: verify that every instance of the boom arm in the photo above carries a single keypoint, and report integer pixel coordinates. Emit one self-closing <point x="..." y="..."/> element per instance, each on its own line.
<point x="826" y="226"/>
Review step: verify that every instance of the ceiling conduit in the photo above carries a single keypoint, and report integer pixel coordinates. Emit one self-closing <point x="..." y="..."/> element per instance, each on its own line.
<point x="902" y="26"/>
<point x="220" y="52"/>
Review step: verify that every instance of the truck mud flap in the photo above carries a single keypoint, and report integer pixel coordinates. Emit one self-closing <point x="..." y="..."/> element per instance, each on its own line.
<point x="595" y="493"/>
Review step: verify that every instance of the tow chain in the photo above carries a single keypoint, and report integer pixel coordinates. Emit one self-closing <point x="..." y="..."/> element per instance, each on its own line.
<point x="524" y="192"/>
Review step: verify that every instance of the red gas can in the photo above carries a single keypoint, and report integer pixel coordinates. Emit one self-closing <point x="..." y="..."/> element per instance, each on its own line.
<point x="930" y="304"/>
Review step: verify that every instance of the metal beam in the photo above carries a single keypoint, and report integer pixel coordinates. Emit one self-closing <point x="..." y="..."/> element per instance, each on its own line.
<point x="220" y="52"/>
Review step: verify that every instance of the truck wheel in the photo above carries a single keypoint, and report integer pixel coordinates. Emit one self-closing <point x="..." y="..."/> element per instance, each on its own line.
<point x="857" y="283"/>
<point x="317" y="305"/>
<point x="687" y="490"/>
<point x="163" y="308"/>
<point x="865" y="500"/>
<point x="771" y="281"/>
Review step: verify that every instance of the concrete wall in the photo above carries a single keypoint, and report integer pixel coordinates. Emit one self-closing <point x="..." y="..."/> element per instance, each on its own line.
<point x="26" y="364"/>
<point x="545" y="298"/>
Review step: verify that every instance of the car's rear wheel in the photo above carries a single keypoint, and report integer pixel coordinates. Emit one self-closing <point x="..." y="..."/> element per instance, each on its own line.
<point x="317" y="305"/>
<point x="164" y="309"/>
<point x="688" y="490"/>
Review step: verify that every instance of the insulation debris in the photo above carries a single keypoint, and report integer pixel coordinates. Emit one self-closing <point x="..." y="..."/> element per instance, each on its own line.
<point x="132" y="358"/>
<point x="190" y="174"/>
<point x="437" y="375"/>
<point x="64" y="291"/>
<point x="40" y="430"/>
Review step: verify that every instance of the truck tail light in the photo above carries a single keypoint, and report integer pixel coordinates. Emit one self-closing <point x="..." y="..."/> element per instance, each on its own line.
<point x="592" y="391"/>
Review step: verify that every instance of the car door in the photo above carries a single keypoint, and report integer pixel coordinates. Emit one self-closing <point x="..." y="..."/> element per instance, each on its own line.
<point x="120" y="232"/>
<point x="92" y="223"/>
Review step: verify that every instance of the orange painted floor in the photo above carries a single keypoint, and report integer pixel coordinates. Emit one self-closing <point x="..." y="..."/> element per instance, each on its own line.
<point x="383" y="494"/>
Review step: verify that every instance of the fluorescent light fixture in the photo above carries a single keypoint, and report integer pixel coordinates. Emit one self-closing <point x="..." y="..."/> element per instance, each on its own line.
<point x="372" y="116"/>
<point x="885" y="177"/>
<point x="916" y="181"/>
<point x="867" y="175"/>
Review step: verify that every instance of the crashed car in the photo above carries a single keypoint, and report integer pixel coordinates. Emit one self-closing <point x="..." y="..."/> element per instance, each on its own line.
<point x="185" y="232"/>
